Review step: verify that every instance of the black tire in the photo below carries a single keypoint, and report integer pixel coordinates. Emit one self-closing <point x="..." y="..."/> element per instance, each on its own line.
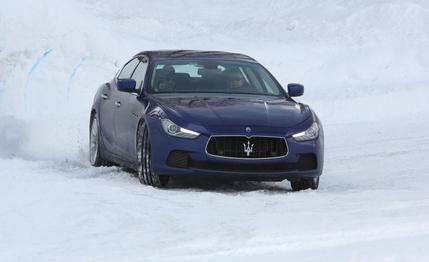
<point x="145" y="172"/>
<point x="94" y="143"/>
<point x="304" y="184"/>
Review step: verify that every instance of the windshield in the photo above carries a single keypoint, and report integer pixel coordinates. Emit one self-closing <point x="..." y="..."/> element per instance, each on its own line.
<point x="212" y="76"/>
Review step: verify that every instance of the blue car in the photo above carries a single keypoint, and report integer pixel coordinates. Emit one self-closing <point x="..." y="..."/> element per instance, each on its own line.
<point x="205" y="113"/>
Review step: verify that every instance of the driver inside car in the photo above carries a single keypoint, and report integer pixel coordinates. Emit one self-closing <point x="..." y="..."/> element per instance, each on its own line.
<point x="165" y="78"/>
<point x="235" y="81"/>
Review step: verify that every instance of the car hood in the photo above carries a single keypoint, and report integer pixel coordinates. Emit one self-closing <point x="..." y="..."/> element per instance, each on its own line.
<point x="234" y="111"/>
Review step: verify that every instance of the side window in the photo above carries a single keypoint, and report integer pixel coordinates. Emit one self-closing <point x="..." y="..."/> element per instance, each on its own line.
<point x="139" y="75"/>
<point x="128" y="69"/>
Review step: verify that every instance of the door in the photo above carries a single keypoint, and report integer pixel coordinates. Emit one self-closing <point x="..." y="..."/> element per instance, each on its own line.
<point x="106" y="116"/>
<point x="129" y="113"/>
<point x="115" y="102"/>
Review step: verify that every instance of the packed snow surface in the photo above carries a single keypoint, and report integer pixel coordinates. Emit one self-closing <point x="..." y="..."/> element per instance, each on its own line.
<point x="365" y="67"/>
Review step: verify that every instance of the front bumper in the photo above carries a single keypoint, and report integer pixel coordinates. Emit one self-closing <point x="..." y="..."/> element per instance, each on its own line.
<point x="198" y="162"/>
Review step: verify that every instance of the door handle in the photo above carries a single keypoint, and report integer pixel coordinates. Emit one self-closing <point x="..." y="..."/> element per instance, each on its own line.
<point x="118" y="103"/>
<point x="104" y="96"/>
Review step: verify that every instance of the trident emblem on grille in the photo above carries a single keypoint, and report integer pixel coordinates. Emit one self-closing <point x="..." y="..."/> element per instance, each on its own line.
<point x="248" y="148"/>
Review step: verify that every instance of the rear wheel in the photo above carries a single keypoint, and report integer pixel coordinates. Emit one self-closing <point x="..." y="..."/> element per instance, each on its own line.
<point x="145" y="171"/>
<point x="304" y="184"/>
<point x="94" y="143"/>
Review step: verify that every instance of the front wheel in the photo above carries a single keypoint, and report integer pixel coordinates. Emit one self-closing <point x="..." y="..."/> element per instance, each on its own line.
<point x="145" y="171"/>
<point x="304" y="184"/>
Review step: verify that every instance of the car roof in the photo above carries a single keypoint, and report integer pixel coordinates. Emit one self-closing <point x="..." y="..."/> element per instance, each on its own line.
<point x="183" y="54"/>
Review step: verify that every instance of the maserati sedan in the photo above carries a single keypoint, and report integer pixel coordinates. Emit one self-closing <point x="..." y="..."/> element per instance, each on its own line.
<point x="205" y="113"/>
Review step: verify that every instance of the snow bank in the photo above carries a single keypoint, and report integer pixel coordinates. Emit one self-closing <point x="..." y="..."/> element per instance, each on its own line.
<point x="358" y="58"/>
<point x="12" y="136"/>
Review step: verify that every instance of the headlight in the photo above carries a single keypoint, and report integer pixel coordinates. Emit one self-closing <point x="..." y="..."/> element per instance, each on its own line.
<point x="174" y="130"/>
<point x="311" y="133"/>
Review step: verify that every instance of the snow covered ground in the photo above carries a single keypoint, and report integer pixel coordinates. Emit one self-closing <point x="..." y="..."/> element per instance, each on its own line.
<point x="365" y="65"/>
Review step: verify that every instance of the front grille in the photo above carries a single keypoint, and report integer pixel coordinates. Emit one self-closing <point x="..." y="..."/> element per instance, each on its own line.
<point x="243" y="147"/>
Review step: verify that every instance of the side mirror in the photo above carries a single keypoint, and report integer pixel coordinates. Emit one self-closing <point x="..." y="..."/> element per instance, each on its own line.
<point x="295" y="89"/>
<point x="126" y="85"/>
